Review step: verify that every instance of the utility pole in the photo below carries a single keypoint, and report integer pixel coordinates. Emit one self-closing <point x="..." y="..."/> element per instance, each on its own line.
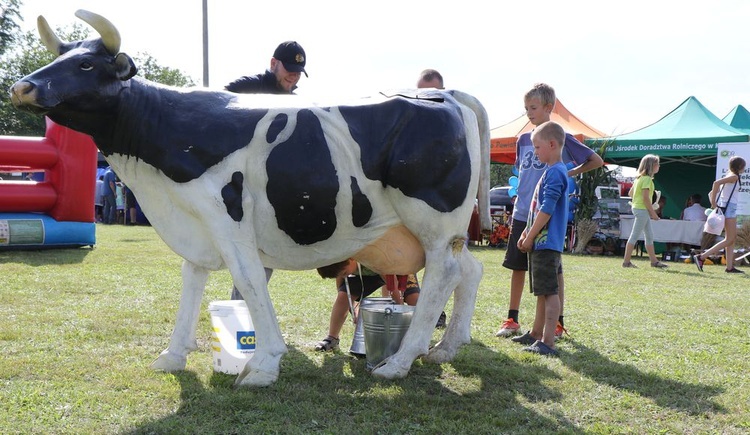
<point x="205" y="43"/>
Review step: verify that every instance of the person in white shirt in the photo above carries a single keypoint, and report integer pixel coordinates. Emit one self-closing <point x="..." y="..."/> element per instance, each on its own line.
<point x="694" y="211"/>
<point x="722" y="196"/>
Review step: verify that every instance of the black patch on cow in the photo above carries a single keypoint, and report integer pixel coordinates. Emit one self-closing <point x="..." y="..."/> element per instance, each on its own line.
<point x="232" y="194"/>
<point x="361" y="207"/>
<point x="180" y="133"/>
<point x="276" y="127"/>
<point x="415" y="145"/>
<point x="302" y="182"/>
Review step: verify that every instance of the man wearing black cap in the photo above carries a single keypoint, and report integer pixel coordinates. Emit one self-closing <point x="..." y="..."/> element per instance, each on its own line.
<point x="287" y="66"/>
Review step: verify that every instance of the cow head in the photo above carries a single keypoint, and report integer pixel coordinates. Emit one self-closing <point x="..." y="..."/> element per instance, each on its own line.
<point x="86" y="76"/>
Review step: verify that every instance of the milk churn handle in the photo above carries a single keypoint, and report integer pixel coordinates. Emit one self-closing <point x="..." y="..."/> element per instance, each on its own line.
<point x="349" y="299"/>
<point x="361" y="280"/>
<point x="355" y="314"/>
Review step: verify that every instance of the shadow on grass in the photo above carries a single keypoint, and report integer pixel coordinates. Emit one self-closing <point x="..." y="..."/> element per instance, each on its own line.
<point x="505" y="379"/>
<point x="45" y="256"/>
<point x="694" y="399"/>
<point x="134" y="240"/>
<point x="341" y="396"/>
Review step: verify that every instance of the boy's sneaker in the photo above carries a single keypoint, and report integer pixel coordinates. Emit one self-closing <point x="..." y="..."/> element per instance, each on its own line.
<point x="698" y="262"/>
<point x="559" y="330"/>
<point x="525" y="339"/>
<point x="540" y="348"/>
<point x="733" y="270"/>
<point x="508" y="328"/>
<point x="441" y="321"/>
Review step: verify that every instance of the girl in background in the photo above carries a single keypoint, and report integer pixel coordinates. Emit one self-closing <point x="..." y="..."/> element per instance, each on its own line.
<point x="727" y="201"/>
<point x="643" y="211"/>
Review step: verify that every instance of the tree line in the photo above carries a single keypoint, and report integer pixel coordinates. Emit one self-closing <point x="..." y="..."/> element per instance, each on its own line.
<point x="23" y="53"/>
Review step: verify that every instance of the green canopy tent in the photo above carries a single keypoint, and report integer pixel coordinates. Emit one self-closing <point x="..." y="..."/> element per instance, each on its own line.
<point x="686" y="141"/>
<point x="738" y="118"/>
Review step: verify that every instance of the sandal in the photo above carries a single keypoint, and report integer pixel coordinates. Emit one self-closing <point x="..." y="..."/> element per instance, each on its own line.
<point x="659" y="265"/>
<point x="698" y="262"/>
<point x="326" y="344"/>
<point x="629" y="264"/>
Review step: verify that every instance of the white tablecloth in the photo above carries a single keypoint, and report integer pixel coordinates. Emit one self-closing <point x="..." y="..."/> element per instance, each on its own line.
<point x="667" y="230"/>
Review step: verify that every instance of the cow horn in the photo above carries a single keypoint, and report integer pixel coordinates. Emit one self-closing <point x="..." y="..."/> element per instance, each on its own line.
<point x="49" y="39"/>
<point x="110" y="35"/>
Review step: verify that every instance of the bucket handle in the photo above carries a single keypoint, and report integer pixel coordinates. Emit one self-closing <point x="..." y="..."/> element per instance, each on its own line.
<point x="387" y="321"/>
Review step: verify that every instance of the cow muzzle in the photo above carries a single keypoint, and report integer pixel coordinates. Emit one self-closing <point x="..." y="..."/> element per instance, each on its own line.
<point x="23" y="95"/>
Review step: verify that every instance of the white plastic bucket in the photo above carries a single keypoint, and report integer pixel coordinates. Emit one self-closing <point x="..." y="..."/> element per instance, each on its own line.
<point x="233" y="338"/>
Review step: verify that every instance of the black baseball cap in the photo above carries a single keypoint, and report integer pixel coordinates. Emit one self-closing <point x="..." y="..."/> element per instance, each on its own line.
<point x="292" y="55"/>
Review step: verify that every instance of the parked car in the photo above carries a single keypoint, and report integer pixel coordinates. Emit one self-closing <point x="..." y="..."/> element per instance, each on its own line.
<point x="500" y="200"/>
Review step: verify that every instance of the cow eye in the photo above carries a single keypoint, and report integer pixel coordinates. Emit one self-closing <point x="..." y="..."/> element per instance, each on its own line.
<point x="87" y="66"/>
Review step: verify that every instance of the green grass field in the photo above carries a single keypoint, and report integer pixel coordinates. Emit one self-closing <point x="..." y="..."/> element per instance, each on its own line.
<point x="649" y="351"/>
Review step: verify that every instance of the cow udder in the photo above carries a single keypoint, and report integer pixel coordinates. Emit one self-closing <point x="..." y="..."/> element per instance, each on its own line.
<point x="397" y="252"/>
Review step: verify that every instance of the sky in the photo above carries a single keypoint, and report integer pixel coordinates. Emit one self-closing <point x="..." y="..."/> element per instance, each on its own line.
<point x="618" y="66"/>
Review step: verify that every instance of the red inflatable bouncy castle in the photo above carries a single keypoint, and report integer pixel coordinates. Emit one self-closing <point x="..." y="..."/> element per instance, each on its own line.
<point x="56" y="212"/>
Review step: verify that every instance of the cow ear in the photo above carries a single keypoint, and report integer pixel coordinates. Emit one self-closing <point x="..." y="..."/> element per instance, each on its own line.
<point x="125" y="67"/>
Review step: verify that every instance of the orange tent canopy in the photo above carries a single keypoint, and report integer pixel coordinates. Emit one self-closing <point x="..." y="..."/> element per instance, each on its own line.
<point x="503" y="138"/>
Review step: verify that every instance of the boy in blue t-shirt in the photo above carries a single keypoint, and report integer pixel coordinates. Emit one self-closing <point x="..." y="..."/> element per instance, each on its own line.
<point x="539" y="103"/>
<point x="544" y="236"/>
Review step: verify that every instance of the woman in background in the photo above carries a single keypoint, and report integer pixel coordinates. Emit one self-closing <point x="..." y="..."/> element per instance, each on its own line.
<point x="643" y="210"/>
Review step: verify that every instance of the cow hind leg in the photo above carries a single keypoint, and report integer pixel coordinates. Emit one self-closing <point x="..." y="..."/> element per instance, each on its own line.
<point x="183" y="341"/>
<point x="458" y="332"/>
<point x="440" y="278"/>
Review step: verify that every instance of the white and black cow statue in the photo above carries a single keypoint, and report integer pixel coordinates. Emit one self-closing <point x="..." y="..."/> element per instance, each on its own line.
<point x="247" y="181"/>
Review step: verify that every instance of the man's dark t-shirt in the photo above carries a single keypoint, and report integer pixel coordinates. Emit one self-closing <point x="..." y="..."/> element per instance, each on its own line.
<point x="258" y="84"/>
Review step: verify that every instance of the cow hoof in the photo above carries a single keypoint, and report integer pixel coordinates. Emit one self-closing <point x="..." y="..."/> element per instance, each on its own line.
<point x="169" y="362"/>
<point x="389" y="370"/>
<point x="439" y="354"/>
<point x="255" y="378"/>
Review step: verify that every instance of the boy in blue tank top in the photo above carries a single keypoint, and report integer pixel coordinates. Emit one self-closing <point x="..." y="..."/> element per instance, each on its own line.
<point x="539" y="103"/>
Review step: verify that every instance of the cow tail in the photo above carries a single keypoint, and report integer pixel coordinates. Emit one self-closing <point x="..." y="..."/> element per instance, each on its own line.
<point x="484" y="173"/>
<point x="483" y="124"/>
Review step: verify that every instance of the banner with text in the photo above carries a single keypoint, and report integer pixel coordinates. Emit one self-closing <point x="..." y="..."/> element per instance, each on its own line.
<point x="726" y="151"/>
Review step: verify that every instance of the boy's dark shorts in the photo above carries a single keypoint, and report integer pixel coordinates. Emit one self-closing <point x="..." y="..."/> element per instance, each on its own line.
<point x="374" y="282"/>
<point x="515" y="259"/>
<point x="544" y="266"/>
<point x="412" y="285"/>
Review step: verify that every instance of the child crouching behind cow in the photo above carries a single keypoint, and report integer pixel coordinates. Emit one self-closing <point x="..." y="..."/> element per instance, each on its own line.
<point x="362" y="282"/>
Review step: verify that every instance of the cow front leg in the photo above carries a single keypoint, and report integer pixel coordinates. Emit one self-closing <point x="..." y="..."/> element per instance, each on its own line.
<point x="464" y="302"/>
<point x="250" y="279"/>
<point x="440" y="278"/>
<point x="183" y="341"/>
